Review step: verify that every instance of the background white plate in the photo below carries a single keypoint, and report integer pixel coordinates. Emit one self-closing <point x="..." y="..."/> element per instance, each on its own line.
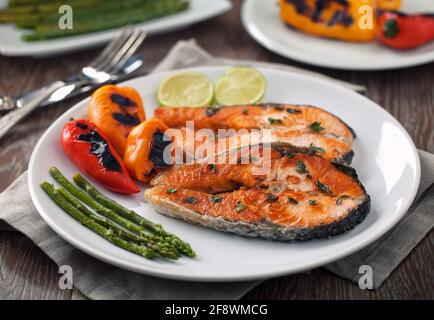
<point x="12" y="45"/>
<point x="385" y="157"/>
<point x="261" y="19"/>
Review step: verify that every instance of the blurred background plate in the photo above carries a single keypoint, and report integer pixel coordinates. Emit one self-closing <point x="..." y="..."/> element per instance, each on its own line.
<point x="12" y="45"/>
<point x="261" y="19"/>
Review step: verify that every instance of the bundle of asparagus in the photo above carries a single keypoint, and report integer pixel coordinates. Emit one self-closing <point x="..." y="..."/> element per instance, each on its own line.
<point x="42" y="16"/>
<point x="121" y="226"/>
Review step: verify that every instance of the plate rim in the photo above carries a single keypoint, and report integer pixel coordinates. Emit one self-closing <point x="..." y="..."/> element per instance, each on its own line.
<point x="313" y="60"/>
<point x="263" y="274"/>
<point x="219" y="7"/>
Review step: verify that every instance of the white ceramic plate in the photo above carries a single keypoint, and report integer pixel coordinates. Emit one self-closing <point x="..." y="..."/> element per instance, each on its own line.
<point x="385" y="157"/>
<point x="261" y="19"/>
<point x="12" y="45"/>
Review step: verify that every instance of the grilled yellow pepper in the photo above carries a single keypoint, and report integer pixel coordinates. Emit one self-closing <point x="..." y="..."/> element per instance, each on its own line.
<point x="389" y="4"/>
<point x="349" y="20"/>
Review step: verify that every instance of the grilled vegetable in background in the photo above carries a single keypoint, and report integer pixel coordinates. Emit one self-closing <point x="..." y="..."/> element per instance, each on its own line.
<point x="337" y="19"/>
<point x="144" y="153"/>
<point x="405" y="31"/>
<point x="89" y="15"/>
<point x="92" y="153"/>
<point x="116" y="110"/>
<point x="302" y="197"/>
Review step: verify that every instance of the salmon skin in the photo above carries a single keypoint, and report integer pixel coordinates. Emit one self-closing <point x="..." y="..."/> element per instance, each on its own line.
<point x="302" y="195"/>
<point x="301" y="125"/>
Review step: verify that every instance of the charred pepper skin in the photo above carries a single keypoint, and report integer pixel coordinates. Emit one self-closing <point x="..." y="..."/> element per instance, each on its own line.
<point x="337" y="19"/>
<point x="92" y="153"/>
<point x="405" y="31"/>
<point x="144" y="152"/>
<point x="116" y="111"/>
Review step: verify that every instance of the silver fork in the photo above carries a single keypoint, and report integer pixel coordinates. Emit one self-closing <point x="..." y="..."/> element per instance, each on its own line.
<point x="98" y="72"/>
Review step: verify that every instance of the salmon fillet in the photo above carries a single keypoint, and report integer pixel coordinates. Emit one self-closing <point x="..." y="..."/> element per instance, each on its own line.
<point x="328" y="147"/>
<point x="301" y="118"/>
<point x="300" y="196"/>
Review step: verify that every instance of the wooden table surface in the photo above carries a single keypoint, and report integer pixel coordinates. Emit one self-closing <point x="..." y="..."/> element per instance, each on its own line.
<point x="408" y="94"/>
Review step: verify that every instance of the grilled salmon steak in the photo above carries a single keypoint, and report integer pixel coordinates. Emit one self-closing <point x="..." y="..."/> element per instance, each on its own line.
<point x="328" y="147"/>
<point x="296" y="124"/>
<point x="299" y="196"/>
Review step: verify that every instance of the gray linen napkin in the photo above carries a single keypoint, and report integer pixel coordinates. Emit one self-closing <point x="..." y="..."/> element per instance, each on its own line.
<point x="98" y="280"/>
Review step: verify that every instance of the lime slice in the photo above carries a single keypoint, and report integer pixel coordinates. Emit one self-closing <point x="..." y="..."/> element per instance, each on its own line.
<point x="240" y="85"/>
<point x="185" y="89"/>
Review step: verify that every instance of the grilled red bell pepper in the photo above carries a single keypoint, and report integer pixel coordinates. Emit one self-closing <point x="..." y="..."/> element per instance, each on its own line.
<point x="405" y="31"/>
<point x="92" y="153"/>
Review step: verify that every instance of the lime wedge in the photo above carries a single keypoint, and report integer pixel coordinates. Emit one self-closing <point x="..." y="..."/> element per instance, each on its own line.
<point x="185" y="89"/>
<point x="240" y="85"/>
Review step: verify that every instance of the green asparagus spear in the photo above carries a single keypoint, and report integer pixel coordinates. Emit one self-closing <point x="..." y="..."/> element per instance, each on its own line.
<point x="166" y="240"/>
<point x="52" y="7"/>
<point x="17" y="3"/>
<point x="181" y="245"/>
<point x="109" y="21"/>
<point x="163" y="249"/>
<point x="101" y="220"/>
<point x="113" y="205"/>
<point x="118" y="7"/>
<point x="93" y="225"/>
<point x="99" y="208"/>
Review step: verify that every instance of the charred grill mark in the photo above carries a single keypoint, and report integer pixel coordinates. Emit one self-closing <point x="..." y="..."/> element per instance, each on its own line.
<point x="320" y="5"/>
<point x="340" y="17"/>
<point x="124" y="116"/>
<point x="292" y="111"/>
<point x="300" y="6"/>
<point x="210" y="111"/>
<point x="159" y="144"/>
<point x="126" y="119"/>
<point x="80" y="125"/>
<point x="100" y="148"/>
<point x="122" y="100"/>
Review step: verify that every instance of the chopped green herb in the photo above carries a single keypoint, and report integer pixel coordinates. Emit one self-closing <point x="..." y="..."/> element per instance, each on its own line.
<point x="290" y="155"/>
<point x="300" y="167"/>
<point x="274" y="121"/>
<point x="212" y="167"/>
<point x="313" y="202"/>
<point x="316" y="126"/>
<point x="341" y="198"/>
<point x="289" y="110"/>
<point x="215" y="198"/>
<point x="272" y="197"/>
<point x="239" y="207"/>
<point x="390" y="28"/>
<point x="292" y="200"/>
<point x="316" y="149"/>
<point x="324" y="188"/>
<point x="172" y="190"/>
<point x="190" y="200"/>
<point x="210" y="111"/>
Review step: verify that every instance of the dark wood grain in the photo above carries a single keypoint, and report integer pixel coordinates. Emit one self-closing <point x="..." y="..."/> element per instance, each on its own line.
<point x="408" y="94"/>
